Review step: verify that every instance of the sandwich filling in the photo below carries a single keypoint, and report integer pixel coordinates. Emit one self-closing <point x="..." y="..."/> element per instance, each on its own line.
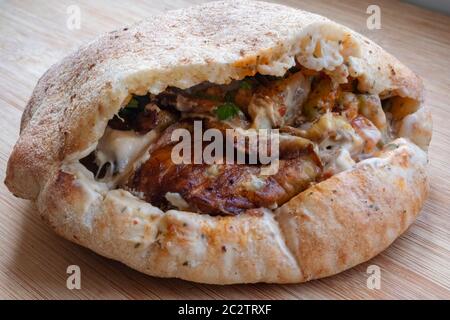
<point x="323" y="128"/>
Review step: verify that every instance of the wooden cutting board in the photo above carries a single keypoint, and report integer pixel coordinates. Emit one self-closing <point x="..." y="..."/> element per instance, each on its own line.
<point x="33" y="261"/>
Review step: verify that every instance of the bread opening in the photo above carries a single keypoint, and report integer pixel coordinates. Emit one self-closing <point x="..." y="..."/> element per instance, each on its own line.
<point x="325" y="126"/>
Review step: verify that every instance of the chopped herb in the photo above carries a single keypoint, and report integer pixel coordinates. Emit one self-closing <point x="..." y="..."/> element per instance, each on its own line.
<point x="133" y="103"/>
<point x="246" y="85"/>
<point x="226" y="111"/>
<point x="131" y="109"/>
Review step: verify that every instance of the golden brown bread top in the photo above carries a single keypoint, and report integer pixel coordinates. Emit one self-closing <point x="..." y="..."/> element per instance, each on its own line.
<point x="215" y="42"/>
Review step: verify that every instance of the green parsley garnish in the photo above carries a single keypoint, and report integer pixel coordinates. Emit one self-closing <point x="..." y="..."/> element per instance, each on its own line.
<point x="133" y="103"/>
<point x="226" y="110"/>
<point x="131" y="109"/>
<point x="246" y="85"/>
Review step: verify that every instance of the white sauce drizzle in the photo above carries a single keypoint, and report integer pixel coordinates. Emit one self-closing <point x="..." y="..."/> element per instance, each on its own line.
<point x="120" y="149"/>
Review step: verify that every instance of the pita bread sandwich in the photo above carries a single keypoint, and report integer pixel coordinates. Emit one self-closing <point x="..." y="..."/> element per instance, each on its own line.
<point x="95" y="151"/>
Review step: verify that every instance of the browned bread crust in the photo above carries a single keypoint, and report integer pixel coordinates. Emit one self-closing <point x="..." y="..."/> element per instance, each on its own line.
<point x="332" y="226"/>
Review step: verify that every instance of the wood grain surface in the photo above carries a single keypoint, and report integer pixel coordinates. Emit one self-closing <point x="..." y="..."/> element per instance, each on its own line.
<point x="33" y="260"/>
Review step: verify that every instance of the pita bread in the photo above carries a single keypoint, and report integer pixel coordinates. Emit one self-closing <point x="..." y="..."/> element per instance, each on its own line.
<point x="332" y="226"/>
